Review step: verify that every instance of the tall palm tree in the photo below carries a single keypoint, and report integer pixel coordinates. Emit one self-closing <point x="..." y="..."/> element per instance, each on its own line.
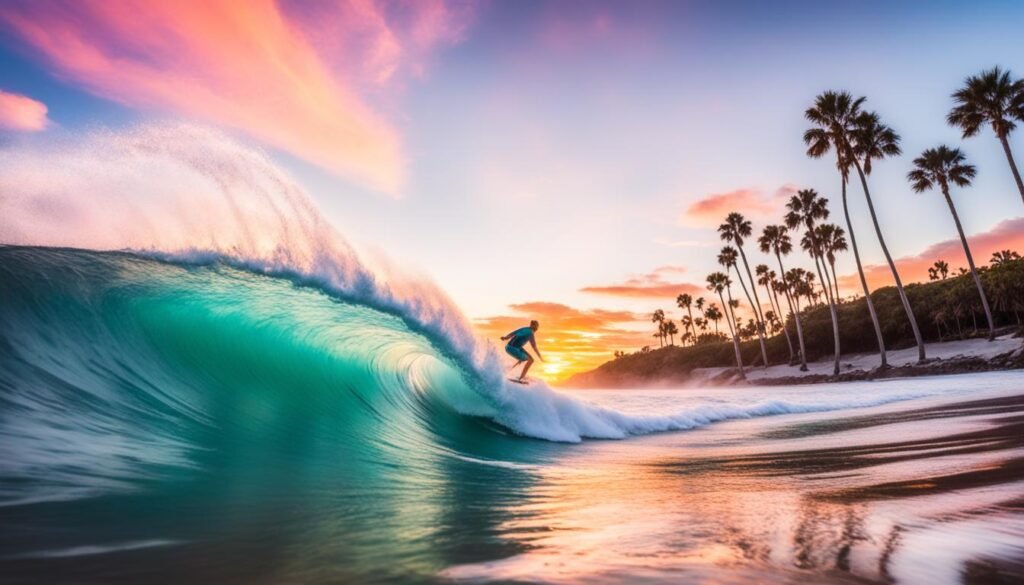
<point x="775" y="239"/>
<point x="873" y="140"/>
<point x="727" y="257"/>
<point x="991" y="97"/>
<point x="805" y="209"/>
<point x="941" y="166"/>
<point x="766" y="278"/>
<point x="659" y="318"/>
<point x="735" y="229"/>
<point x="684" y="301"/>
<point x="834" y="115"/>
<point x="719" y="282"/>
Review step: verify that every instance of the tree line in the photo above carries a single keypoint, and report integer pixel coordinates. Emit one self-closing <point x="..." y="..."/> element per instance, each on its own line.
<point x="857" y="139"/>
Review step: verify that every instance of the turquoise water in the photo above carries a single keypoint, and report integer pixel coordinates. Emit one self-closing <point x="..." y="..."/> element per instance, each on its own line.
<point x="182" y="422"/>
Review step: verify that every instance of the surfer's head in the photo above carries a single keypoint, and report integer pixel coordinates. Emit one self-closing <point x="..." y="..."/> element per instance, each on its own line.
<point x="534" y="325"/>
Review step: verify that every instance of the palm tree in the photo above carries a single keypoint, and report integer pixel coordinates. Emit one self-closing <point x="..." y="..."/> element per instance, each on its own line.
<point x="939" y="270"/>
<point x="796" y="284"/>
<point x="766" y="278"/>
<point x="1004" y="257"/>
<point x="688" y="331"/>
<point x="775" y="239"/>
<point x="813" y="243"/>
<point x="713" y="314"/>
<point x="872" y="140"/>
<point x="717" y="283"/>
<point x="727" y="258"/>
<point x="659" y="318"/>
<point x="832" y="239"/>
<point x="806" y="208"/>
<point x="835" y="115"/>
<point x="735" y="229"/>
<point x="941" y="166"/>
<point x="671" y="330"/>
<point x="991" y="97"/>
<point x="684" y="301"/>
<point x="774" y="325"/>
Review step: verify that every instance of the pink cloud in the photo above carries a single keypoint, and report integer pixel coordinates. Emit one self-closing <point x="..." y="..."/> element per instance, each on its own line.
<point x="260" y="67"/>
<point x="648" y="286"/>
<point x="751" y="202"/>
<point x="22" y="113"/>
<point x="1006" y="235"/>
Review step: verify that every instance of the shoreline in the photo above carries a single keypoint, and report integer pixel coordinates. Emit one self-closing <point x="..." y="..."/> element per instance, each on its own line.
<point x="1008" y="361"/>
<point x="965" y="356"/>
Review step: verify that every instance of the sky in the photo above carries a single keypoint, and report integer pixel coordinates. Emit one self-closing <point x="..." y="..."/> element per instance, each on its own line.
<point x="566" y="161"/>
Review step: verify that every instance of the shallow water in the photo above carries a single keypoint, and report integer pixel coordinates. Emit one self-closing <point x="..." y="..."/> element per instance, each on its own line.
<point x="167" y="423"/>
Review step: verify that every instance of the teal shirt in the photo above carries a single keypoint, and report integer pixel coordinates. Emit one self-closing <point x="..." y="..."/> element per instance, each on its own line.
<point x="521" y="336"/>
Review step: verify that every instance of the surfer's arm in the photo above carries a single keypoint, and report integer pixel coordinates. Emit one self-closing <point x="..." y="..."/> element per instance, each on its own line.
<point x="533" y="344"/>
<point x="507" y="337"/>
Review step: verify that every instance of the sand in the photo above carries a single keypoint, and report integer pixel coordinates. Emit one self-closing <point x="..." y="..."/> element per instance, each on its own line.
<point x="866" y="362"/>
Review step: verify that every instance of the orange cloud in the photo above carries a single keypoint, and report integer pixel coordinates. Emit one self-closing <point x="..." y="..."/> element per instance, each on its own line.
<point x="648" y="286"/>
<point x="1006" y="235"/>
<point x="253" y="66"/>
<point x="21" y="113"/>
<point x="571" y="340"/>
<point x="754" y="203"/>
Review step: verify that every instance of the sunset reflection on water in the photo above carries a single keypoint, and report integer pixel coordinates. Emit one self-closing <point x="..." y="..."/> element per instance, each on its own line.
<point x="928" y="496"/>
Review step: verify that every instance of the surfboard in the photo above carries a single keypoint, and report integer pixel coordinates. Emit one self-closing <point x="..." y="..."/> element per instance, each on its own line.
<point x="518" y="381"/>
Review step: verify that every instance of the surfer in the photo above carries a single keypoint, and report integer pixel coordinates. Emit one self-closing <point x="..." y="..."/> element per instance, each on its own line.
<point x="516" y="340"/>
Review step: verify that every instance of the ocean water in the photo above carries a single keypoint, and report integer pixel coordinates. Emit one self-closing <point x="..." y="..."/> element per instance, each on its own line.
<point x="241" y="397"/>
<point x="199" y="421"/>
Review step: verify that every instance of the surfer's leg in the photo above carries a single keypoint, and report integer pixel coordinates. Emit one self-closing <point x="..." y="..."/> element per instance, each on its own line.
<point x="526" y="368"/>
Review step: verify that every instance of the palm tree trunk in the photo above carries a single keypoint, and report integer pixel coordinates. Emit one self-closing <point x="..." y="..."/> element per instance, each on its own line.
<point x="864" y="283"/>
<point x="970" y="262"/>
<point x="892" y="265"/>
<point x="778" y="313"/>
<point x="1013" y="165"/>
<point x="831" y="309"/>
<point x="735" y="340"/>
<point x="794" y="309"/>
<point x="693" y="328"/>
<point x="760" y="330"/>
<point x="832" y="297"/>
<point x="758" y="314"/>
<point x="835" y="325"/>
<point x="835" y="282"/>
